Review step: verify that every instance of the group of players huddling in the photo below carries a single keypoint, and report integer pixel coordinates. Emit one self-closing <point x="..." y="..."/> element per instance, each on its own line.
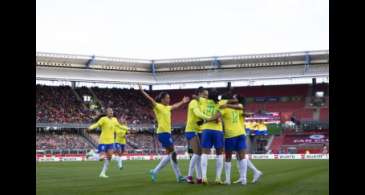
<point x="212" y="121"/>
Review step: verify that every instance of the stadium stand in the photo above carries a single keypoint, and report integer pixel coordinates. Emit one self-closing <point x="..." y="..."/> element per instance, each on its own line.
<point x="61" y="140"/>
<point x="300" y="142"/>
<point x="64" y="104"/>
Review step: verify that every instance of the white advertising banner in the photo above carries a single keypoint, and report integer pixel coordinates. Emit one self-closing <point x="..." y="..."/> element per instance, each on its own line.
<point x="290" y="156"/>
<point x="186" y="157"/>
<point x="71" y="159"/>
<point x="316" y="156"/>
<point x="261" y="156"/>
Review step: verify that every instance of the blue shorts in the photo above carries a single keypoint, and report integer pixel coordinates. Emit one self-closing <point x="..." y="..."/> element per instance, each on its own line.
<point x="190" y="135"/>
<point x="235" y="143"/>
<point x="212" y="138"/>
<point x="165" y="140"/>
<point x="105" y="147"/>
<point x="262" y="132"/>
<point x="255" y="132"/>
<point x="119" y="147"/>
<point x="248" y="130"/>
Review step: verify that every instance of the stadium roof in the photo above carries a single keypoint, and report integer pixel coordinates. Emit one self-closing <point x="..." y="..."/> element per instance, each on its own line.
<point x="245" y="69"/>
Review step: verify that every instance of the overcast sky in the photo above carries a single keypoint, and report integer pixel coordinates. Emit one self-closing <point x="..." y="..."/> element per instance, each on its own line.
<point x="155" y="29"/>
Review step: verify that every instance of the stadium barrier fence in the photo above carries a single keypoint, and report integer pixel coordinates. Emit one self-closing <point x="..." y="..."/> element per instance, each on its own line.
<point x="59" y="158"/>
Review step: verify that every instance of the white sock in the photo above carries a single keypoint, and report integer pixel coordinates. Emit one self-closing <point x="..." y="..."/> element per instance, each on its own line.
<point x="219" y="167"/>
<point x="227" y="170"/>
<point x="96" y="157"/>
<point x="198" y="168"/>
<point x="238" y="165"/>
<point x="105" y="166"/>
<point x="120" y="161"/>
<point x="192" y="163"/>
<point x="116" y="158"/>
<point x="251" y="166"/>
<point x="165" y="160"/>
<point x="204" y="165"/>
<point x="243" y="169"/>
<point x="175" y="167"/>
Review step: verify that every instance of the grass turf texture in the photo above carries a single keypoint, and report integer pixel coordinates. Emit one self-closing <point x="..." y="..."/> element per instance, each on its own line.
<point x="281" y="177"/>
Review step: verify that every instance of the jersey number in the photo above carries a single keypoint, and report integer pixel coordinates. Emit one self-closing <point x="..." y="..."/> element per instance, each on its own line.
<point x="210" y="110"/>
<point x="234" y="117"/>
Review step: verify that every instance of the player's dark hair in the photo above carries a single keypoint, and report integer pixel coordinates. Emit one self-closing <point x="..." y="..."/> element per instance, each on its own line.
<point x="160" y="96"/>
<point x="227" y="96"/>
<point x="241" y="99"/>
<point x="213" y="95"/>
<point x="199" y="90"/>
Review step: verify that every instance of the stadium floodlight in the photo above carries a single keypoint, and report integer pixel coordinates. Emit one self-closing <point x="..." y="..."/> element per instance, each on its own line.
<point x="319" y="94"/>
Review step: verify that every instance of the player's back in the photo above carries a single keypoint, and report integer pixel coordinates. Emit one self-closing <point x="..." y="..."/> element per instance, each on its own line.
<point x="233" y="122"/>
<point x="210" y="108"/>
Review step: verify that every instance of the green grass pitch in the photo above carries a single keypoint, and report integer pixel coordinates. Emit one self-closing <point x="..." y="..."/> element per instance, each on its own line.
<point x="281" y="177"/>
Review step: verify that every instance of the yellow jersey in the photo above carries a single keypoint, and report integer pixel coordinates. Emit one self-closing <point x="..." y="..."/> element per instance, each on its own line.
<point x="163" y="117"/>
<point x="120" y="133"/>
<point x="193" y="116"/>
<point x="254" y="126"/>
<point x="261" y="127"/>
<point x="248" y="125"/>
<point x="107" y="126"/>
<point x="242" y="119"/>
<point x="210" y="108"/>
<point x="232" y="122"/>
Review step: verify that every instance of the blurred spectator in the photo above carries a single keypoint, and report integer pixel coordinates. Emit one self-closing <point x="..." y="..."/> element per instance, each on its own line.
<point x="60" y="105"/>
<point x="60" y="140"/>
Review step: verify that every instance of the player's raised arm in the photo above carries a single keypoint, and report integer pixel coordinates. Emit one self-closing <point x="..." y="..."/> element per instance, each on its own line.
<point x="95" y="125"/>
<point x="124" y="127"/>
<point x="197" y="112"/>
<point x="194" y="97"/>
<point x="216" y="118"/>
<point x="147" y="96"/>
<point x="183" y="101"/>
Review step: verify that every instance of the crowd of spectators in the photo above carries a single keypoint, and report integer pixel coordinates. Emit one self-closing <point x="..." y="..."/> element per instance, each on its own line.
<point x="141" y="140"/>
<point x="61" y="140"/>
<point x="60" y="105"/>
<point x="63" y="105"/>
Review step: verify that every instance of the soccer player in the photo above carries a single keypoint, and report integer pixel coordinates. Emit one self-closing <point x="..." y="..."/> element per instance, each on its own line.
<point x="248" y="128"/>
<point x="107" y="124"/>
<point x="120" y="140"/>
<point x="261" y="128"/>
<point x="191" y="132"/>
<point x="234" y="139"/>
<point x="254" y="127"/>
<point x="162" y="109"/>
<point x="250" y="165"/>
<point x="212" y="135"/>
